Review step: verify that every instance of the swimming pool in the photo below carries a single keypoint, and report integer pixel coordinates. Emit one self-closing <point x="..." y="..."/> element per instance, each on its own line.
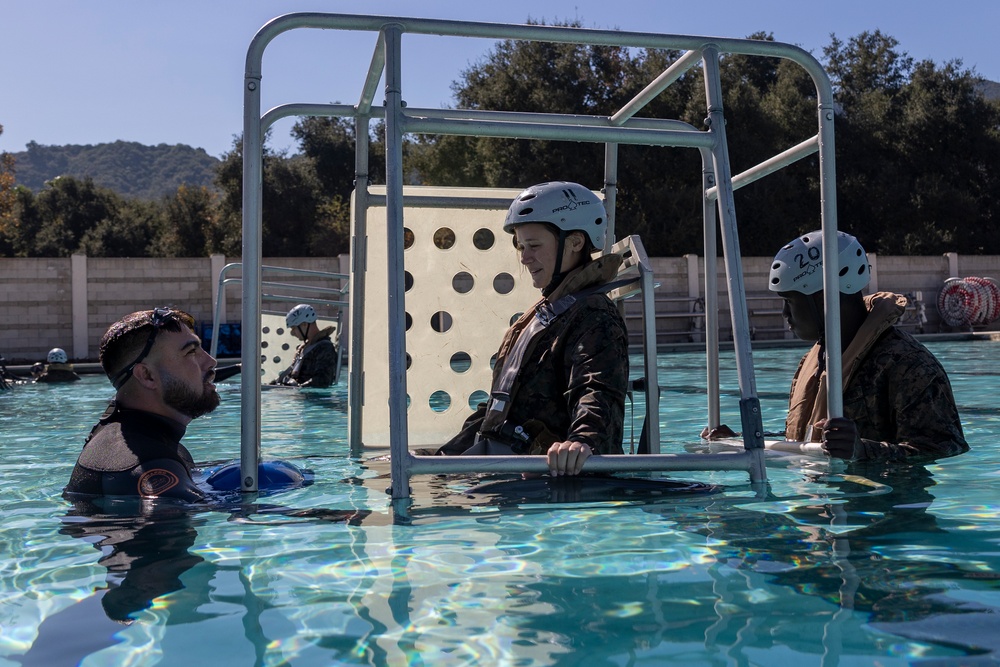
<point x="868" y="565"/>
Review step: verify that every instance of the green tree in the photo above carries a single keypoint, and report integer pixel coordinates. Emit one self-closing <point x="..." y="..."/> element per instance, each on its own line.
<point x="128" y="231"/>
<point x="57" y="218"/>
<point x="295" y="210"/>
<point x="918" y="150"/>
<point x="188" y="215"/>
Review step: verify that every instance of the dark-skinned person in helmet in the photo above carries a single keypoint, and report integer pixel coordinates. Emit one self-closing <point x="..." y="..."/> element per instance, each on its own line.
<point x="316" y="357"/>
<point x="57" y="368"/>
<point x="898" y="401"/>
<point x="561" y="374"/>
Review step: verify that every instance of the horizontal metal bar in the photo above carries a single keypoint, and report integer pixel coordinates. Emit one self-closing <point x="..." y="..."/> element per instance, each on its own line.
<point x="740" y="461"/>
<point x="558" y="132"/>
<point x="769" y="166"/>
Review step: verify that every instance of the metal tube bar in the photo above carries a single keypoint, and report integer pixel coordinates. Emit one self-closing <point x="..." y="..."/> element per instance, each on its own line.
<point x="740" y="461"/>
<point x="557" y="34"/>
<point x="657" y="86"/>
<point x="831" y="281"/>
<point x="779" y="161"/>
<point x="375" y="69"/>
<point x="711" y="293"/>
<point x="514" y="130"/>
<point x="753" y="429"/>
<point x="394" y="129"/>
<point x="359" y="272"/>
<point x="253" y="170"/>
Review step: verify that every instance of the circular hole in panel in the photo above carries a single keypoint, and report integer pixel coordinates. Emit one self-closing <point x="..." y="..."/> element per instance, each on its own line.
<point x="409" y="360"/>
<point x="407" y="401"/>
<point x="441" y="321"/>
<point x="285" y="347"/>
<point x="477" y="397"/>
<point x="460" y="362"/>
<point x="463" y="282"/>
<point x="409" y="321"/>
<point x="263" y="358"/>
<point x="407" y="238"/>
<point x="407" y="281"/>
<point x="279" y="331"/>
<point x="266" y="330"/>
<point x="483" y="239"/>
<point x="503" y="283"/>
<point x="439" y="401"/>
<point x="276" y="360"/>
<point x="444" y="238"/>
<point x="263" y="343"/>
<point x="514" y="318"/>
<point x="493" y="362"/>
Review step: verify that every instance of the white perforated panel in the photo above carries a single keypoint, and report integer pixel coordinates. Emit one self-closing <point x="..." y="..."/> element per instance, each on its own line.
<point x="463" y="292"/>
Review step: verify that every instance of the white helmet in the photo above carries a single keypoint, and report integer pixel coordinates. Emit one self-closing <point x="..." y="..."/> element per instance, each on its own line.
<point x="798" y="267"/>
<point x="57" y="355"/>
<point x="300" y="314"/>
<point x="568" y="206"/>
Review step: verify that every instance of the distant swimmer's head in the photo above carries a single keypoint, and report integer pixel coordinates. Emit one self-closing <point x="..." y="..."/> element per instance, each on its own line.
<point x="300" y="314"/>
<point x="57" y="355"/>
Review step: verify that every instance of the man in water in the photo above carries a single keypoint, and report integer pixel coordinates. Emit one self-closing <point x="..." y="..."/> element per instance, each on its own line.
<point x="315" y="362"/>
<point x="57" y="368"/>
<point x="898" y="402"/>
<point x="163" y="379"/>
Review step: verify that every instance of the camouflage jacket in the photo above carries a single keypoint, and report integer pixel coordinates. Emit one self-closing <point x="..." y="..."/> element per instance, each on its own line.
<point x="315" y="363"/>
<point x="572" y="383"/>
<point x="896" y="392"/>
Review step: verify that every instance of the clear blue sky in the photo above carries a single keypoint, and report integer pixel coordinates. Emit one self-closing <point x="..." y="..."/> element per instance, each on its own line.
<point x="171" y="71"/>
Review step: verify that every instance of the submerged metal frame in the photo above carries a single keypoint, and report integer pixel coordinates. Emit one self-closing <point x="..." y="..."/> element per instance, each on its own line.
<point x="620" y="128"/>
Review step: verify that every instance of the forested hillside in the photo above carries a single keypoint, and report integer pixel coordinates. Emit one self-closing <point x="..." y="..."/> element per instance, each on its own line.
<point x="130" y="169"/>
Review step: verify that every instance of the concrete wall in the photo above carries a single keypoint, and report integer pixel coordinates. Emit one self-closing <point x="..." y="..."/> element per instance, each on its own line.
<point x="69" y="302"/>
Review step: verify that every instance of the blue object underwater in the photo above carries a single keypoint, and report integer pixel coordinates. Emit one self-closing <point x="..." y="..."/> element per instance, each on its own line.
<point x="271" y="475"/>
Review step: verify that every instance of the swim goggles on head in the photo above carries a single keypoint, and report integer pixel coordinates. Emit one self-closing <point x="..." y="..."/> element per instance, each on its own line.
<point x="159" y="318"/>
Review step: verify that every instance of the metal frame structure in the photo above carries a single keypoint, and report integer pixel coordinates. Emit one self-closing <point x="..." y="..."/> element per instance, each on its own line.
<point x="620" y="128"/>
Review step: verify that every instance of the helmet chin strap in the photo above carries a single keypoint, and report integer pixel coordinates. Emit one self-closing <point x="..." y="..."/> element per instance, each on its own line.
<point x="557" y="272"/>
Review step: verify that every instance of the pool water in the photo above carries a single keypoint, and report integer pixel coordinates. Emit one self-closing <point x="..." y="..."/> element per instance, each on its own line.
<point x="834" y="565"/>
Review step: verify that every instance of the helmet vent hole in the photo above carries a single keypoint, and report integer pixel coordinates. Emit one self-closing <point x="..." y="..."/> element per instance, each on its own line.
<point x="526" y="211"/>
<point x="843" y="272"/>
<point x="861" y="270"/>
<point x="599" y="221"/>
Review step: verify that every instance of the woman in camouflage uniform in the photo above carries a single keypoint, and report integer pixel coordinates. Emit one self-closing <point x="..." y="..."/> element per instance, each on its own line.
<point x="561" y="373"/>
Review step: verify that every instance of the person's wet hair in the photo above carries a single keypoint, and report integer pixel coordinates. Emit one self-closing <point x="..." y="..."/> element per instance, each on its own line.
<point x="128" y="341"/>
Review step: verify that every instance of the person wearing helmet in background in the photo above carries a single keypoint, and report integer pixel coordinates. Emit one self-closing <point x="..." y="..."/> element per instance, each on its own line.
<point x="898" y="402"/>
<point x="57" y="368"/>
<point x="561" y="373"/>
<point x="315" y="362"/>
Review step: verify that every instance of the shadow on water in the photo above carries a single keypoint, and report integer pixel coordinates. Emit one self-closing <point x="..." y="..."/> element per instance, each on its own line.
<point x="146" y="548"/>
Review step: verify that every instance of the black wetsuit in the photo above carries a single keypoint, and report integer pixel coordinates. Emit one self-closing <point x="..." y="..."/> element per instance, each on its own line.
<point x="135" y="453"/>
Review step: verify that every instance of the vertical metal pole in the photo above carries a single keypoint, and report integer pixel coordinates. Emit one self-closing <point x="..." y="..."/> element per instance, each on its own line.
<point x="831" y="279"/>
<point x="394" y="253"/>
<point x="253" y="170"/>
<point x="711" y="293"/>
<point x="359" y="268"/>
<point x="753" y="428"/>
<point x="610" y="191"/>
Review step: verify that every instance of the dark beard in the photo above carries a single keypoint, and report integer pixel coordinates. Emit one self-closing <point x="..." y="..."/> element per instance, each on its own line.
<point x="186" y="401"/>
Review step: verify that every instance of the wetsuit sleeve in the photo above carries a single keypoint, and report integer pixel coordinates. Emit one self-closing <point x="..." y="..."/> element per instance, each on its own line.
<point x="920" y="402"/>
<point x="597" y="379"/>
<point x="156" y="478"/>
<point x="318" y="366"/>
